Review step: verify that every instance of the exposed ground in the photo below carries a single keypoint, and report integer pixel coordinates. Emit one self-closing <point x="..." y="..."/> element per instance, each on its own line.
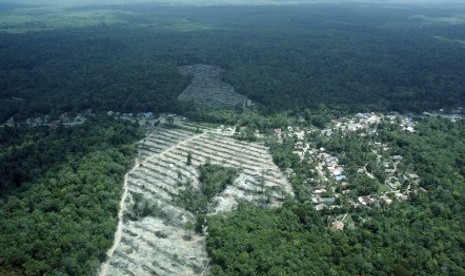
<point x="164" y="242"/>
<point x="207" y="89"/>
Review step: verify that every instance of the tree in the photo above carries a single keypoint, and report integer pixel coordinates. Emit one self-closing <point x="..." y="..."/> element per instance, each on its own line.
<point x="189" y="158"/>
<point x="170" y="120"/>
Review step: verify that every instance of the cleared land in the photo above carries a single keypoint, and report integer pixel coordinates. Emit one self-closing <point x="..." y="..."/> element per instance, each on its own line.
<point x="207" y="89"/>
<point x="164" y="241"/>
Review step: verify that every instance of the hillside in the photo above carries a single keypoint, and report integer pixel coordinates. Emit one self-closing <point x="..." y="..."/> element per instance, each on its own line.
<point x="156" y="232"/>
<point x="150" y="139"/>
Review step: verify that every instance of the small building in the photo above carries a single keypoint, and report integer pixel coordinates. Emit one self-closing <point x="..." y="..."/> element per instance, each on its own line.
<point x="386" y="199"/>
<point x="337" y="173"/>
<point x="319" y="191"/>
<point x="340" y="177"/>
<point x="316" y="199"/>
<point x="278" y="130"/>
<point x="328" y="200"/>
<point x="366" y="200"/>
<point x="397" y="158"/>
<point x="319" y="207"/>
<point x="401" y="196"/>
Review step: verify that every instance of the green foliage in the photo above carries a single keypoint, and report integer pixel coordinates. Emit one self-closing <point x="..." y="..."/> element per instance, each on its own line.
<point x="254" y="241"/>
<point x="63" y="220"/>
<point x="60" y="190"/>
<point x="133" y="68"/>
<point x="283" y="155"/>
<point x="189" y="158"/>
<point x="213" y="180"/>
<point x="422" y="236"/>
<point x="246" y="135"/>
<point x="364" y="185"/>
<point x="27" y="153"/>
<point x="142" y="208"/>
<point x="437" y="152"/>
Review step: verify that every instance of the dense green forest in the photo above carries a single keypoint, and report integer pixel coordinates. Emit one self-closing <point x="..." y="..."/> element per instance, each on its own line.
<point x="286" y="57"/>
<point x="305" y="64"/>
<point x="60" y="195"/>
<point x="423" y="237"/>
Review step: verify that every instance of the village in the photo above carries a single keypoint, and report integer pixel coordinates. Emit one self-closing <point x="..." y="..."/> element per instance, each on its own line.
<point x="331" y="188"/>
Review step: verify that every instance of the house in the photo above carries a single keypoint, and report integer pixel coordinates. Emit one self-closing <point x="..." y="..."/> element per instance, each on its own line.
<point x="409" y="129"/>
<point x="328" y="200"/>
<point x="401" y="196"/>
<point x="366" y="200"/>
<point x="340" y="177"/>
<point x="337" y="173"/>
<point x="319" y="207"/>
<point x="397" y="158"/>
<point x="361" y="116"/>
<point x="148" y="114"/>
<point x="300" y="135"/>
<point x="316" y="199"/>
<point x="389" y="171"/>
<point x="278" y="130"/>
<point x="386" y="199"/>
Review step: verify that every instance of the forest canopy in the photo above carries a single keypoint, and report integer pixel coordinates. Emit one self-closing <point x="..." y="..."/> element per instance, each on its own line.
<point x="287" y="57"/>
<point x="302" y="65"/>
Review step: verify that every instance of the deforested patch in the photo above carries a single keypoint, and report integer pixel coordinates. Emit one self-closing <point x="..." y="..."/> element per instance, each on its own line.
<point x="207" y="88"/>
<point x="181" y="178"/>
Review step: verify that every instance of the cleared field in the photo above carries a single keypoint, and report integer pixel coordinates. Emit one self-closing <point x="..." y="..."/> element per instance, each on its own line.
<point x="207" y="88"/>
<point x="164" y="242"/>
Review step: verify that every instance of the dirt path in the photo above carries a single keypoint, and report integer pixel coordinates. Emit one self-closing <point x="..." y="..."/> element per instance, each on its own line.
<point x="122" y="205"/>
<point x="119" y="229"/>
<point x="177" y="145"/>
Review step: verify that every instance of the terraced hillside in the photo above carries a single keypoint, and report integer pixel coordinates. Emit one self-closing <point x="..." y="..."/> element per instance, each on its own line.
<point x="155" y="235"/>
<point x="207" y="88"/>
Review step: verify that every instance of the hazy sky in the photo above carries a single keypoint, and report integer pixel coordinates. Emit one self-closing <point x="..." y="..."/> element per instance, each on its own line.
<point x="221" y="2"/>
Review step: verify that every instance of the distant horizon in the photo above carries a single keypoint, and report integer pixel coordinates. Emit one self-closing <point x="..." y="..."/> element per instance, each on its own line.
<point x="228" y="2"/>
